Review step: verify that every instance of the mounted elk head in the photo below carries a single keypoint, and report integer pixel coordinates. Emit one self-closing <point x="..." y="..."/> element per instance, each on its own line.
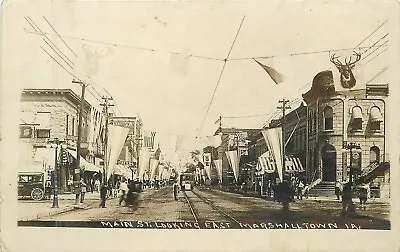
<point x="92" y="57"/>
<point x="346" y="70"/>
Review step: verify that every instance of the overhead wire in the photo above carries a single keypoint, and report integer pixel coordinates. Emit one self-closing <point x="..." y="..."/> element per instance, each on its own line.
<point x="220" y="75"/>
<point x="60" y="37"/>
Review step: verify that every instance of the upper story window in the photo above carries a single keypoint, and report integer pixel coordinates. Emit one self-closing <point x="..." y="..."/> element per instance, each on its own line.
<point x="43" y="127"/>
<point x="328" y="118"/>
<point x="375" y="118"/>
<point x="356" y="118"/>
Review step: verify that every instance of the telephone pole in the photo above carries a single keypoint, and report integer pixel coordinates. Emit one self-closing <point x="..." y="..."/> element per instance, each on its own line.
<point x="283" y="107"/>
<point x="106" y="105"/>
<point x="77" y="171"/>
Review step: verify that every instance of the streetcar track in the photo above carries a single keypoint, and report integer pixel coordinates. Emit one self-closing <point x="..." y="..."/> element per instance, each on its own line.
<point x="191" y="206"/>
<point x="208" y="202"/>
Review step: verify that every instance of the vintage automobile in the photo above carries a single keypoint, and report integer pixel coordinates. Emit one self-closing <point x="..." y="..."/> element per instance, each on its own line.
<point x="33" y="185"/>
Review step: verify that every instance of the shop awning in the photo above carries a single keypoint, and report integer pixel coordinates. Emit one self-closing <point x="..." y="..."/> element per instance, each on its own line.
<point x="375" y="115"/>
<point x="293" y="165"/>
<point x="122" y="170"/>
<point x="356" y="113"/>
<point x="85" y="164"/>
<point x="266" y="164"/>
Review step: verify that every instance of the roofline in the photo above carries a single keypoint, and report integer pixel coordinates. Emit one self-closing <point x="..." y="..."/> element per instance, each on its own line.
<point x="57" y="90"/>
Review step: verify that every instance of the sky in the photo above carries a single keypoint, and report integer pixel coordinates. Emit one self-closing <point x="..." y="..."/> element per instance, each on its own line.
<point x="144" y="53"/>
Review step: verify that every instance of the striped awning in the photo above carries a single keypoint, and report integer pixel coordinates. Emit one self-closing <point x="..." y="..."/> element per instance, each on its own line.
<point x="293" y="164"/>
<point x="266" y="164"/>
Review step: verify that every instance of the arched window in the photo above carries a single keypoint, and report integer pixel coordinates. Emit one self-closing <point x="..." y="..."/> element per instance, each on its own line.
<point x="356" y="118"/>
<point x="374" y="154"/>
<point x="375" y="118"/>
<point x="328" y="118"/>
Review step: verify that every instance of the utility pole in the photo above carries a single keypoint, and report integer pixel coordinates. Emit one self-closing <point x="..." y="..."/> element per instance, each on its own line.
<point x="283" y="107"/>
<point x="77" y="171"/>
<point x="105" y="110"/>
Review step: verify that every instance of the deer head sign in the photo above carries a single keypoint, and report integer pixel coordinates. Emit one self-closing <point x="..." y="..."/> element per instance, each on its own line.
<point x="92" y="57"/>
<point x="347" y="79"/>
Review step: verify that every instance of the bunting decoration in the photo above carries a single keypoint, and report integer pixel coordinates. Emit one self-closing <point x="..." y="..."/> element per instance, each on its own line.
<point x="207" y="164"/>
<point x="218" y="165"/>
<point x="273" y="138"/>
<point x="144" y="163"/>
<point x="234" y="159"/>
<point x="116" y="141"/>
<point x="276" y="76"/>
<point x="153" y="167"/>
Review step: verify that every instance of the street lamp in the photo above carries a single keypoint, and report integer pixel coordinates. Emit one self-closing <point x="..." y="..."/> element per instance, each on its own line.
<point x="55" y="144"/>
<point x="354" y="150"/>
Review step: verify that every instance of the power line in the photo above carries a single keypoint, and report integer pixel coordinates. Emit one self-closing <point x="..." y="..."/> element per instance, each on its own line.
<point x="58" y="54"/>
<point x="59" y="63"/>
<point x="40" y="32"/>
<point x="234" y="40"/>
<point x="376" y="43"/>
<point x="373" y="32"/>
<point x="376" y="49"/>
<point x="60" y="37"/>
<point x="375" y="56"/>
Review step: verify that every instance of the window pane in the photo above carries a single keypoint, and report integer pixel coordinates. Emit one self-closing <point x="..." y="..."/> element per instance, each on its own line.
<point x="328" y="123"/>
<point x="357" y="124"/>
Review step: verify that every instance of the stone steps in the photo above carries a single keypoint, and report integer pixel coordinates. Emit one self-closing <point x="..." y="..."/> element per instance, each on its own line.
<point x="323" y="189"/>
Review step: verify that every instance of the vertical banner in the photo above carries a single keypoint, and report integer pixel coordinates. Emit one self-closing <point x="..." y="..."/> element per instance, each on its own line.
<point x="218" y="165"/>
<point x="116" y="140"/>
<point x="160" y="171"/>
<point x="207" y="164"/>
<point x="273" y="138"/>
<point x="153" y="167"/>
<point x="233" y="159"/>
<point x="144" y="162"/>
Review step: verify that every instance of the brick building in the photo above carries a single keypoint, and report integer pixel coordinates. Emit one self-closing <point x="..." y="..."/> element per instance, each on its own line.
<point x="46" y="114"/>
<point x="334" y="120"/>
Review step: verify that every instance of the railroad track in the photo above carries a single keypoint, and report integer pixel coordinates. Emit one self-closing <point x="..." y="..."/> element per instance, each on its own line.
<point x="197" y="217"/>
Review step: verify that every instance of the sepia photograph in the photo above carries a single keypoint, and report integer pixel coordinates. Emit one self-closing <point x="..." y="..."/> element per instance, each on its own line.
<point x="190" y="115"/>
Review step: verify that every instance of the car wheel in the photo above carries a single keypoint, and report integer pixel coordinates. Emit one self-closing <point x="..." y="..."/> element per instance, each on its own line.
<point x="37" y="194"/>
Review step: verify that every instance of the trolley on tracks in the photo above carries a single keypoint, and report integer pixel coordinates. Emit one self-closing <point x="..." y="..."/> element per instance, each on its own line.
<point x="186" y="181"/>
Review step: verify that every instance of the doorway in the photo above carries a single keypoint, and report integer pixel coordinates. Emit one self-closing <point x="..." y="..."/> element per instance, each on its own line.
<point x="328" y="156"/>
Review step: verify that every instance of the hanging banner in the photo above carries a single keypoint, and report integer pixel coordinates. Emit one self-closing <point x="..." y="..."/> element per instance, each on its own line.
<point x="207" y="164"/>
<point x="273" y="138"/>
<point x="234" y="159"/>
<point x="144" y="162"/>
<point x="160" y="171"/>
<point x="116" y="141"/>
<point x="218" y="165"/>
<point x="153" y="168"/>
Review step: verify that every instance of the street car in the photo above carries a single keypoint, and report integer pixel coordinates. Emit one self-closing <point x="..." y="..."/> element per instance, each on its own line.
<point x="32" y="184"/>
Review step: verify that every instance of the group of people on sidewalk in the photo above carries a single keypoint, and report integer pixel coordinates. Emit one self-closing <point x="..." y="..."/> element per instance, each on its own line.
<point x="128" y="193"/>
<point x="347" y="192"/>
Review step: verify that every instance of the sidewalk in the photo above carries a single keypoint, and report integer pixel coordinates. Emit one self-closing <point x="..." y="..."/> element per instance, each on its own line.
<point x="34" y="210"/>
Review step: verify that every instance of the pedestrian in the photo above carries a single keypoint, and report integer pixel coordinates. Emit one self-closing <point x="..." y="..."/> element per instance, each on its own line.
<point x="300" y="188"/>
<point x="83" y="190"/>
<point x="103" y="195"/>
<point x="123" y="189"/>
<point x="175" y="189"/>
<point x="338" y="189"/>
<point x="269" y="188"/>
<point x="97" y="185"/>
<point x="363" y="192"/>
<point x="347" y="195"/>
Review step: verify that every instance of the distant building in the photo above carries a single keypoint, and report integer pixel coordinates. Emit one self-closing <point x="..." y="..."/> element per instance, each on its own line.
<point x="235" y="140"/>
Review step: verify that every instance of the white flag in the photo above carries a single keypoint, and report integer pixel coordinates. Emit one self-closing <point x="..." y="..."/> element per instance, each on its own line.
<point x="273" y="138"/>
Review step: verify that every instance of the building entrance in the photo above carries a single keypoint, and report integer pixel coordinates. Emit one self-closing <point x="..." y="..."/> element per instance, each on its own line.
<point x="328" y="156"/>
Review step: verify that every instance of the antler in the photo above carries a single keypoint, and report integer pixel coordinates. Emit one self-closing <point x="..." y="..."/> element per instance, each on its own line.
<point x="350" y="63"/>
<point x="103" y="53"/>
<point x="335" y="60"/>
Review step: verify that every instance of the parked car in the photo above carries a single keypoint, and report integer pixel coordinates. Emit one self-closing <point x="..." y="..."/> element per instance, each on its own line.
<point x="32" y="184"/>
